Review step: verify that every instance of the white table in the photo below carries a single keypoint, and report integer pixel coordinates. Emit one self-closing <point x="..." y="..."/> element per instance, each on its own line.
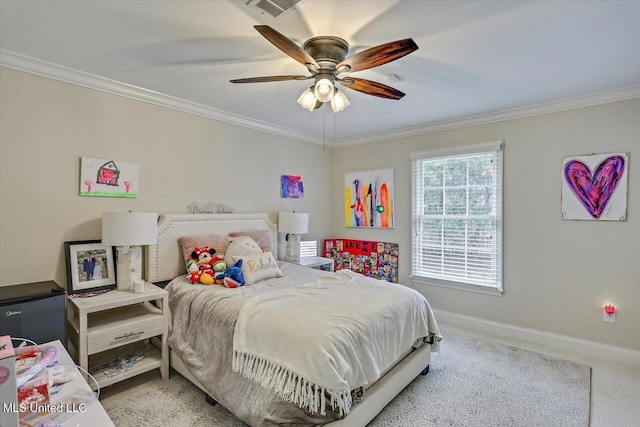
<point x="119" y="322"/>
<point x="315" y="261"/>
<point x="94" y="414"/>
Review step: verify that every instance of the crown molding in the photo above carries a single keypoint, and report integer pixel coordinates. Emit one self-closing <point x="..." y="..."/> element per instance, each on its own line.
<point x="41" y="68"/>
<point x="514" y="113"/>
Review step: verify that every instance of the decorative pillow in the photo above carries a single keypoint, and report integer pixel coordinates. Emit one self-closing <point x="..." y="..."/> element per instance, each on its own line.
<point x="215" y="241"/>
<point x="243" y="245"/>
<point x="258" y="266"/>
<point x="261" y="237"/>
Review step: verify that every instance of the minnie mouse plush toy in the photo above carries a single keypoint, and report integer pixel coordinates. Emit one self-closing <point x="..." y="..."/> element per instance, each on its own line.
<point x="204" y="258"/>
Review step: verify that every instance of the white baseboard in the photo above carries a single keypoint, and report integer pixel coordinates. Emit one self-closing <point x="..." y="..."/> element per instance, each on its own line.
<point x="582" y="347"/>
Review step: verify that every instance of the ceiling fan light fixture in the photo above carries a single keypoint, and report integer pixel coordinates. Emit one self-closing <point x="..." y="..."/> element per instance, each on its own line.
<point x="326" y="57"/>
<point x="324" y="89"/>
<point x="339" y="102"/>
<point x="308" y="100"/>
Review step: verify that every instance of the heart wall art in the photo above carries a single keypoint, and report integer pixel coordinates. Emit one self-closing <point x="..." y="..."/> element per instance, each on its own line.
<point x="594" y="187"/>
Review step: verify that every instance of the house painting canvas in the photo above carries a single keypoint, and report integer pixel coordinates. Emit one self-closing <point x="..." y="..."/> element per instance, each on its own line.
<point x="594" y="187"/>
<point x="369" y="199"/>
<point x="108" y="178"/>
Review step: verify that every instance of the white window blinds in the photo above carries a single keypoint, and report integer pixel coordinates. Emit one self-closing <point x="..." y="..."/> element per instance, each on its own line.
<point x="457" y="216"/>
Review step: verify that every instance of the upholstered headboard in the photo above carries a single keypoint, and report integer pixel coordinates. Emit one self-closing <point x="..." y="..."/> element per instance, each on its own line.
<point x="164" y="260"/>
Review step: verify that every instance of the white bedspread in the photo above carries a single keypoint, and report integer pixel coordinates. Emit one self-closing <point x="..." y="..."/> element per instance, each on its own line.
<point x="329" y="336"/>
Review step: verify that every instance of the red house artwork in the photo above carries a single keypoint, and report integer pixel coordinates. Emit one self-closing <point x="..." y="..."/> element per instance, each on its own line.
<point x="108" y="178"/>
<point x="108" y="174"/>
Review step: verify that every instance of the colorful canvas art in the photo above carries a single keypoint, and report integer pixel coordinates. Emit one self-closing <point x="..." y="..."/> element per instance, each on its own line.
<point x="291" y="187"/>
<point x="594" y="187"/>
<point x="368" y="199"/>
<point x="108" y="178"/>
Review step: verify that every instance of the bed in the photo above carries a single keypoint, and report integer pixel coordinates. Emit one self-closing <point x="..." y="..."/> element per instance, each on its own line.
<point x="204" y="342"/>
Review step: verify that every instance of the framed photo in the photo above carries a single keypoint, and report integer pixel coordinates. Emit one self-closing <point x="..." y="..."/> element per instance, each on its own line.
<point x="90" y="266"/>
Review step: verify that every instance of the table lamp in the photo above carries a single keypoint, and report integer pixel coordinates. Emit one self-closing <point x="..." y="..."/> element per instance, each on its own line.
<point x="127" y="231"/>
<point x="293" y="224"/>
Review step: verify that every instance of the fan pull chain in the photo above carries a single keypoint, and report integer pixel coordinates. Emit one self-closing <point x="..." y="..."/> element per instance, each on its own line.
<point x="324" y="130"/>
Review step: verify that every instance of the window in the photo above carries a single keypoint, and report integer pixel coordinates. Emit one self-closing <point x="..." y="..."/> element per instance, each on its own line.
<point x="457" y="217"/>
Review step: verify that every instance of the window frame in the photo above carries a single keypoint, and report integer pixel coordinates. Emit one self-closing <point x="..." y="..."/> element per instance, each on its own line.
<point x="498" y="148"/>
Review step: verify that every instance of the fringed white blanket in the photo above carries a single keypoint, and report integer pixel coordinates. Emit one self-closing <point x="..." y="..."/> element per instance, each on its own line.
<point x="326" y="338"/>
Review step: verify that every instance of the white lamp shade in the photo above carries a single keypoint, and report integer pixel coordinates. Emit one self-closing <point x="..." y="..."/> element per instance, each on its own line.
<point x="293" y="223"/>
<point x="323" y="90"/>
<point x="308" y="100"/>
<point x="129" y="228"/>
<point x="339" y="102"/>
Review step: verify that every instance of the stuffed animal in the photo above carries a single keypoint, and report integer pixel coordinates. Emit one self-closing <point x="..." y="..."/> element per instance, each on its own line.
<point x="204" y="258"/>
<point x="207" y="279"/>
<point x="219" y="267"/>
<point x="195" y="274"/>
<point x="193" y="271"/>
<point x="233" y="276"/>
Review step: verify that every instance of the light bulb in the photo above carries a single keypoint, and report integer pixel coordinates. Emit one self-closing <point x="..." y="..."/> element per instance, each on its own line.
<point x="324" y="89"/>
<point x="339" y="102"/>
<point x="307" y="100"/>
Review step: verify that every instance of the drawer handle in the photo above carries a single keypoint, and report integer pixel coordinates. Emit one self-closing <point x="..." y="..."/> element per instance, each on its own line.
<point x="129" y="335"/>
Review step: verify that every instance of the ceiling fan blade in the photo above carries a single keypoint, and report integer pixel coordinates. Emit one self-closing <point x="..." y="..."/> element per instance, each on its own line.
<point x="270" y="79"/>
<point x="287" y="46"/>
<point x="379" y="55"/>
<point x="371" y="88"/>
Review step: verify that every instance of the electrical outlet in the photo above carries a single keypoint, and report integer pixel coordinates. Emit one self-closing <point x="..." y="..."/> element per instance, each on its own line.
<point x="610" y="318"/>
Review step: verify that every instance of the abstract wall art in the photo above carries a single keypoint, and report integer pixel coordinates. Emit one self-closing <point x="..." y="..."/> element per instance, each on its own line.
<point x="108" y="178"/>
<point x="291" y="187"/>
<point x="369" y="199"/>
<point x="594" y="187"/>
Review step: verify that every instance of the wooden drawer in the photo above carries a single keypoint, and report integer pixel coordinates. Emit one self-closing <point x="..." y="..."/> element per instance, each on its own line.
<point x="113" y="328"/>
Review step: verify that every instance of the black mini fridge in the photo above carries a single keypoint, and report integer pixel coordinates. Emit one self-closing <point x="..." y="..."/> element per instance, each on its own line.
<point x="35" y="311"/>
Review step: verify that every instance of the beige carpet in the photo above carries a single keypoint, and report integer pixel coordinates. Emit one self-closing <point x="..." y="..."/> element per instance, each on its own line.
<point x="473" y="382"/>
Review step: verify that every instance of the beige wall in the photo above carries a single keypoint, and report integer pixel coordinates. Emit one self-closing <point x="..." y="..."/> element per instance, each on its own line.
<point x="557" y="274"/>
<point x="46" y="126"/>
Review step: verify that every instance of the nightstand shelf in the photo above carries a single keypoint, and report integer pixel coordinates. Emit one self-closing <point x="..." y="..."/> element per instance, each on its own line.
<point x="104" y="327"/>
<point x="152" y="360"/>
<point x="315" y="262"/>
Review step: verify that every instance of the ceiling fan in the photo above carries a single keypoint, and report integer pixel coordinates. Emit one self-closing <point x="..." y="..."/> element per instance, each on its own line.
<point x="324" y="57"/>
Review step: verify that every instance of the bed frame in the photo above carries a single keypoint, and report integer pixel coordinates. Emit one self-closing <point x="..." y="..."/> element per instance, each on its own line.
<point x="164" y="262"/>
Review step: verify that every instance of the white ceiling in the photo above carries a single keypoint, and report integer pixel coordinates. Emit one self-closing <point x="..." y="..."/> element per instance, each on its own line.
<point x="474" y="57"/>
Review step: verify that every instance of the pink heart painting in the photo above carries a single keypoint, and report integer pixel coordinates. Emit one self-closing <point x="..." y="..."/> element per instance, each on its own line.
<point x="594" y="189"/>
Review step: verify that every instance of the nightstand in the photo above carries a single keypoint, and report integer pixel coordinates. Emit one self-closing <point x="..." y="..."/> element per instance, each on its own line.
<point x="116" y="323"/>
<point x="315" y="261"/>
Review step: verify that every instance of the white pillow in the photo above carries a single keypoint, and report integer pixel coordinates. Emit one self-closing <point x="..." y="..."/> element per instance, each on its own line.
<point x="256" y="267"/>
<point x="242" y="245"/>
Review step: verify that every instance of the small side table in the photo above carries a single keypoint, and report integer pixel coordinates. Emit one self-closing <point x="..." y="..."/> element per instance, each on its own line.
<point x="315" y="262"/>
<point x="117" y="323"/>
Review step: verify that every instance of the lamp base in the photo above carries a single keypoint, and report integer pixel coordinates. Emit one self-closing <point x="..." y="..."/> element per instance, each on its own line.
<point x="129" y="268"/>
<point x="293" y="248"/>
